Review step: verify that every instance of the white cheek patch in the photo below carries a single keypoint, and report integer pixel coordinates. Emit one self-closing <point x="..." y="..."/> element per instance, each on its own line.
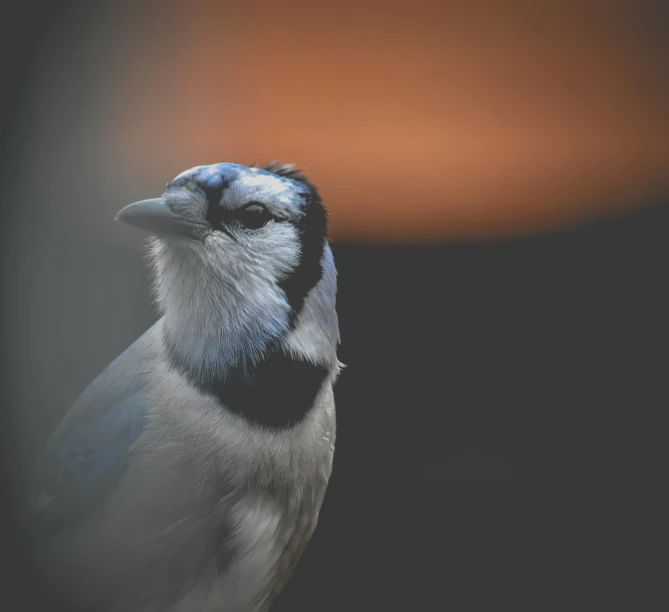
<point x="271" y="253"/>
<point x="275" y="249"/>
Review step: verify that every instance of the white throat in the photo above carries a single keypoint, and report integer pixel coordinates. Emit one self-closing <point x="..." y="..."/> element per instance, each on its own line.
<point x="220" y="316"/>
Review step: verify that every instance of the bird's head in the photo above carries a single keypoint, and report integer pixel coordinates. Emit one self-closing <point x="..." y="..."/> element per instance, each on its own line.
<point x="236" y="252"/>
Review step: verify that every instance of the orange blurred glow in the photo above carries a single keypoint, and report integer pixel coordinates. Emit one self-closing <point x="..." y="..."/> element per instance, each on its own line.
<point x="435" y="121"/>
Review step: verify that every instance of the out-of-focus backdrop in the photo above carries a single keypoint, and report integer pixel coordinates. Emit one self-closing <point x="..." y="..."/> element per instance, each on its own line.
<point x="497" y="175"/>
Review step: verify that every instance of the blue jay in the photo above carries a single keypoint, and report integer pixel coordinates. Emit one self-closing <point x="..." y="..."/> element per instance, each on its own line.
<point x="190" y="473"/>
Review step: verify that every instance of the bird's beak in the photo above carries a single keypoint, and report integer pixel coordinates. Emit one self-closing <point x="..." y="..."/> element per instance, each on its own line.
<point x="157" y="217"/>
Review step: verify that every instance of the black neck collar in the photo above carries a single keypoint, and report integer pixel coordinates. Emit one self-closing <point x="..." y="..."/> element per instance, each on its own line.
<point x="277" y="392"/>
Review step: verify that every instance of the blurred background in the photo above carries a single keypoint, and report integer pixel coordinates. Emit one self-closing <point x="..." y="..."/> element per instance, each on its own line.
<point x="497" y="175"/>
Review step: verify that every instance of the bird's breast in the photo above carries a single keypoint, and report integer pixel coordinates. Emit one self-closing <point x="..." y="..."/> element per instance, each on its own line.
<point x="268" y="533"/>
<point x="272" y="485"/>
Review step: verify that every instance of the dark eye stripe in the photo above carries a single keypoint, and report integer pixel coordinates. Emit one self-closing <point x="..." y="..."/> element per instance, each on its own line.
<point x="214" y="193"/>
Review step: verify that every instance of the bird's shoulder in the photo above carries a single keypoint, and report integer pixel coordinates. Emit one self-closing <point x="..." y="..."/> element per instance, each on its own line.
<point x="87" y="452"/>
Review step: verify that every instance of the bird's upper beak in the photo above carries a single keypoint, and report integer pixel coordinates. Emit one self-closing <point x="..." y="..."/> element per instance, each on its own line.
<point x="156" y="216"/>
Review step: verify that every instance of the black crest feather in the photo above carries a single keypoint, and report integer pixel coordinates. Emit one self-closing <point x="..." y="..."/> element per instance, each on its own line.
<point x="287" y="171"/>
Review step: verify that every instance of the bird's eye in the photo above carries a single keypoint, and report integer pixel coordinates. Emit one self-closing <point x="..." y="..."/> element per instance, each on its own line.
<point x="253" y="216"/>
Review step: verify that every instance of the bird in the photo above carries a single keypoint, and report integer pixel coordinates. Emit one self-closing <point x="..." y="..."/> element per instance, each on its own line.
<point x="190" y="474"/>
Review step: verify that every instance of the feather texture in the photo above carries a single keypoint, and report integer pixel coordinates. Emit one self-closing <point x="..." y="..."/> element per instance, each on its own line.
<point x="190" y="474"/>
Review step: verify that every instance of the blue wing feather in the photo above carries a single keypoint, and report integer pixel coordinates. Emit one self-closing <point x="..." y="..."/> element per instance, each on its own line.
<point x="88" y="453"/>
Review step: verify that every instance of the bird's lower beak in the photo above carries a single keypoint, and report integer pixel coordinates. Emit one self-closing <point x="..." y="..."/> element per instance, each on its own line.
<point x="157" y="217"/>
